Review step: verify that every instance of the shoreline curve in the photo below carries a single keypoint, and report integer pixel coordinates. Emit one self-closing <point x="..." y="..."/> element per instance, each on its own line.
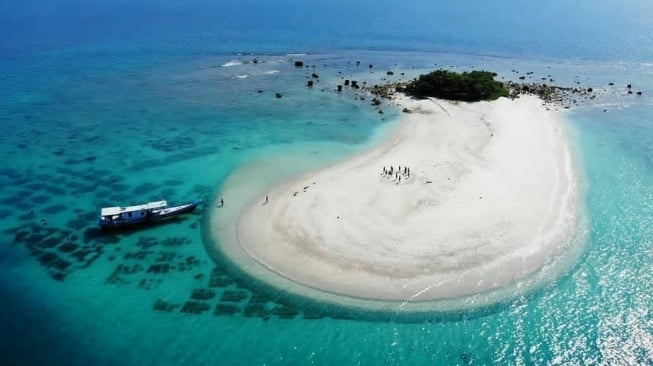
<point x="489" y="201"/>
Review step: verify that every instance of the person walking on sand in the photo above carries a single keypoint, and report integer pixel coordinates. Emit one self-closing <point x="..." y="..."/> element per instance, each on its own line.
<point x="221" y="202"/>
<point x="266" y="200"/>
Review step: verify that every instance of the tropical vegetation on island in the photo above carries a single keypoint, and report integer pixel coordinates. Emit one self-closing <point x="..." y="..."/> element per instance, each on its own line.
<point x="467" y="86"/>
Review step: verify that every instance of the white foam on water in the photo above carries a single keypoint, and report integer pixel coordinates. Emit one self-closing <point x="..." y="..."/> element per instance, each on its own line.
<point x="232" y="63"/>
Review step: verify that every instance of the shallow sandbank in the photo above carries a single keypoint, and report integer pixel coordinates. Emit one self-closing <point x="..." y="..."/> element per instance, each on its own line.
<point x="490" y="199"/>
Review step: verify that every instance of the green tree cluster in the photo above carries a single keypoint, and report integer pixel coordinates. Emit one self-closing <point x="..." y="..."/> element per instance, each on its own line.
<point x="469" y="86"/>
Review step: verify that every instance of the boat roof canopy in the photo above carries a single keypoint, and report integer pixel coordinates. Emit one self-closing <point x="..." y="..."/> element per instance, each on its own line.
<point x="110" y="211"/>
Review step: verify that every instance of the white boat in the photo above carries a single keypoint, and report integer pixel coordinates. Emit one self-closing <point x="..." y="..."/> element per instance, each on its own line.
<point x="122" y="216"/>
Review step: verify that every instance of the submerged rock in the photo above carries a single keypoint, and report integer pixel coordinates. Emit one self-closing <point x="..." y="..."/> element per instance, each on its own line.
<point x="202" y="294"/>
<point x="195" y="307"/>
<point x="159" y="268"/>
<point x="162" y="305"/>
<point x="233" y="296"/>
<point x="256" y="311"/>
<point x="68" y="247"/>
<point x="284" y="312"/>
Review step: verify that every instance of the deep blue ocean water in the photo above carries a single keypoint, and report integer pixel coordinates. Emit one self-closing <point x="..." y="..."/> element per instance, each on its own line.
<point x="119" y="102"/>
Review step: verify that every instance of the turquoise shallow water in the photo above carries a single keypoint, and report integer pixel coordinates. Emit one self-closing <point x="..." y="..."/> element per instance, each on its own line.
<point x="165" y="104"/>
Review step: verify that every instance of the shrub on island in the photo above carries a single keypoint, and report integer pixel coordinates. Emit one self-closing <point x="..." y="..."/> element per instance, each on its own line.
<point x="469" y="86"/>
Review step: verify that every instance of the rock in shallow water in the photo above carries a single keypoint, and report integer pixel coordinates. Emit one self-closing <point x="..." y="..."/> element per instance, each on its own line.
<point x="203" y="294"/>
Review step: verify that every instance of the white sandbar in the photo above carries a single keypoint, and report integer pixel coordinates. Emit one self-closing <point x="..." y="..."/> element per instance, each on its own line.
<point x="491" y="198"/>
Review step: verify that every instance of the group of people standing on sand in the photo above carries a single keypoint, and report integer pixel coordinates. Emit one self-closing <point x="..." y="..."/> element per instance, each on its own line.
<point x="396" y="174"/>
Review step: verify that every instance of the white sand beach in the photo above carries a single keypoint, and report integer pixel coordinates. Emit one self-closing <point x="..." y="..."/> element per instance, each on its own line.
<point x="490" y="198"/>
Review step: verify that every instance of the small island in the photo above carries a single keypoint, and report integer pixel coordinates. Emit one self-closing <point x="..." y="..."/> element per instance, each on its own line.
<point x="462" y="199"/>
<point x="479" y="85"/>
<point x="470" y="86"/>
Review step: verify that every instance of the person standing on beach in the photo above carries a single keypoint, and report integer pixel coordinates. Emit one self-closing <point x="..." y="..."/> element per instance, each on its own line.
<point x="266" y="200"/>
